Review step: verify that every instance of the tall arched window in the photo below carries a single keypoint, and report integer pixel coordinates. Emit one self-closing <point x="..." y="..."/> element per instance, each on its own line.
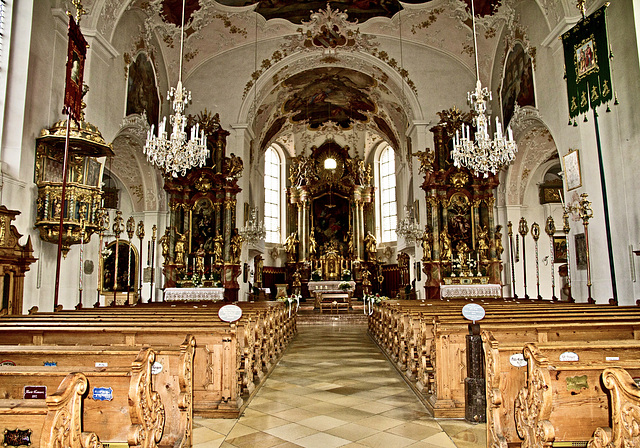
<point x="272" y="195"/>
<point x="387" y="201"/>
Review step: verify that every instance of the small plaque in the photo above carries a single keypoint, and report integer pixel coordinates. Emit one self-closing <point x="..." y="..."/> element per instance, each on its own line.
<point x="569" y="356"/>
<point x="35" y="392"/>
<point x="156" y="368"/>
<point x="102" y="394"/>
<point x="517" y="360"/>
<point x="17" y="437"/>
<point x="473" y="312"/>
<point x="7" y="362"/>
<point x="612" y="358"/>
<point x="50" y="364"/>
<point x="577" y="383"/>
<point x="230" y="313"/>
<point x="102" y="364"/>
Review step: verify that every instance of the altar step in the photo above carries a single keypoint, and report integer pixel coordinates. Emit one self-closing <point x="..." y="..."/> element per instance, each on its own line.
<point x="309" y="316"/>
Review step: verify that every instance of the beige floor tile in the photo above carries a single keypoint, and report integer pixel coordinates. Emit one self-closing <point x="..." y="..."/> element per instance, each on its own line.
<point x="352" y="431"/>
<point x="386" y="440"/>
<point x="206" y="435"/>
<point x="263" y="422"/>
<point x="374" y="407"/>
<point x="379" y="422"/>
<point x="414" y="431"/>
<point x="291" y="432"/>
<point x="240" y="430"/>
<point x="257" y="439"/>
<point x="441" y="439"/>
<point x="220" y="425"/>
<point x="271" y="407"/>
<point x="322" y="422"/>
<point x="295" y="414"/>
<point x="322" y="440"/>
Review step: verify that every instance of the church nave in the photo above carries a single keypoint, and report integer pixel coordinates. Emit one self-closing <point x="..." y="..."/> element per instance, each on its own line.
<point x="334" y="388"/>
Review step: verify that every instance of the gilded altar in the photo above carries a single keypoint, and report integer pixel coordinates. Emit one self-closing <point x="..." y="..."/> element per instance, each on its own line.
<point x="461" y="240"/>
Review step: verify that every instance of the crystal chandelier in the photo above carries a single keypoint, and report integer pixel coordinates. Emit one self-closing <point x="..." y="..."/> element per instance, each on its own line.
<point x="482" y="154"/>
<point x="408" y="228"/>
<point x="254" y="230"/>
<point x="176" y="155"/>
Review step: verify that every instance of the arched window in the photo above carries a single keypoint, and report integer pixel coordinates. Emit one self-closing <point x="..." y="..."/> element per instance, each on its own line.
<point x="387" y="199"/>
<point x="272" y="195"/>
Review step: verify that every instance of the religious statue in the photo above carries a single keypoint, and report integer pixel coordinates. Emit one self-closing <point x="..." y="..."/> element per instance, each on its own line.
<point x="498" y="241"/>
<point x="313" y="245"/>
<point x="217" y="248"/>
<point x="427" y="242"/>
<point x="462" y="249"/>
<point x="296" y="285"/>
<point x="233" y="166"/>
<point x="179" y="248"/>
<point x="483" y="247"/>
<point x="426" y="159"/>
<point x="235" y="248"/>
<point x="445" y="245"/>
<point x="200" y="260"/>
<point x="164" y="242"/>
<point x="351" y="250"/>
<point x="366" y="282"/>
<point x="370" y="246"/>
<point x="290" y="246"/>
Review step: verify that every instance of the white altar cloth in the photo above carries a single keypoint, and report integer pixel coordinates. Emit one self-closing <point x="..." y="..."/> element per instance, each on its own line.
<point x="193" y="294"/>
<point x="329" y="285"/>
<point x="486" y="291"/>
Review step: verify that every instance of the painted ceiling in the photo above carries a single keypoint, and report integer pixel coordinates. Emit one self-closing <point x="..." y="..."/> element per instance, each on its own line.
<point x="298" y="11"/>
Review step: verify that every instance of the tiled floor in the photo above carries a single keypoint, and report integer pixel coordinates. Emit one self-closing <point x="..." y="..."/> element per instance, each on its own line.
<point x="334" y="388"/>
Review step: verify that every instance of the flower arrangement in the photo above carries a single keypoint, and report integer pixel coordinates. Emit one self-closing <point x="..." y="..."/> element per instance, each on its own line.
<point x="374" y="298"/>
<point x="346" y="275"/>
<point x="196" y="279"/>
<point x="345" y="286"/>
<point x="316" y="275"/>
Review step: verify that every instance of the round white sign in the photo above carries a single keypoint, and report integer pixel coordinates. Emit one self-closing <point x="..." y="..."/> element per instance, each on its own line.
<point x="569" y="356"/>
<point x="230" y="313"/>
<point x="517" y="360"/>
<point x="473" y="311"/>
<point x="156" y="368"/>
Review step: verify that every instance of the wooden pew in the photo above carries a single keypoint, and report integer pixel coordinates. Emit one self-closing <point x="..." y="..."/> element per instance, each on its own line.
<point x="132" y="413"/>
<point x="172" y="375"/>
<point x="624" y="411"/>
<point x="50" y="423"/>
<point x="564" y="401"/>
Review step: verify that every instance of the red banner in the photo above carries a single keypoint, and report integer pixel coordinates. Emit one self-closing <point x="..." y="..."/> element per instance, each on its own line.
<point x="76" y="55"/>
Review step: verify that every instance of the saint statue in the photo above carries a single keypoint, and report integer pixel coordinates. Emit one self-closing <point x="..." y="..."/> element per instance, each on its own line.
<point x="366" y="282"/>
<point x="427" y="241"/>
<point x="235" y="247"/>
<point x="164" y="242"/>
<point x="217" y="248"/>
<point x="498" y="242"/>
<point x="483" y="247"/>
<point x="290" y="246"/>
<point x="313" y="245"/>
<point x="200" y="260"/>
<point x="179" y="248"/>
<point x="445" y="245"/>
<point x="370" y="246"/>
<point x="296" y="284"/>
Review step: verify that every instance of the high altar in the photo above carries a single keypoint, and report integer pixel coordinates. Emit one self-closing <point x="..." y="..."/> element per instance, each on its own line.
<point x="332" y="217"/>
<point x="461" y="243"/>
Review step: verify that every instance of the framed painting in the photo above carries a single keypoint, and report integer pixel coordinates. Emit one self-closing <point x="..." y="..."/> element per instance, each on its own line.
<point x="572" y="174"/>
<point x="559" y="249"/>
<point x="581" y="251"/>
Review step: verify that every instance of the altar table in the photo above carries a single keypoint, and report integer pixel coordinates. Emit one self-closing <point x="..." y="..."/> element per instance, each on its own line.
<point x="327" y="287"/>
<point x="193" y="294"/>
<point x="485" y="291"/>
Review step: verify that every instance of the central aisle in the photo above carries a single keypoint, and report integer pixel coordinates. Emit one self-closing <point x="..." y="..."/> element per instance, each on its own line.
<point x="334" y="388"/>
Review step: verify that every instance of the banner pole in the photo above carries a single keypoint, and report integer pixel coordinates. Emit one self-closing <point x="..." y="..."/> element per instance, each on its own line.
<point x="605" y="202"/>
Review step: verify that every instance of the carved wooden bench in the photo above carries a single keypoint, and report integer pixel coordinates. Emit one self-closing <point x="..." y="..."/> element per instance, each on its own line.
<point x="172" y="375"/>
<point x="48" y="423"/>
<point x="122" y="405"/>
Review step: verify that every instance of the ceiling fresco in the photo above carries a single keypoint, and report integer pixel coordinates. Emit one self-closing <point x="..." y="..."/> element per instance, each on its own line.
<point x="330" y="94"/>
<point x="298" y="11"/>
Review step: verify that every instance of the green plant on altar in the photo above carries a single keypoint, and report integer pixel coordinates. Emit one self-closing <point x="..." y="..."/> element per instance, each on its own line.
<point x="316" y="275"/>
<point x="374" y="298"/>
<point x="196" y="279"/>
<point x="346" y="275"/>
<point x="345" y="286"/>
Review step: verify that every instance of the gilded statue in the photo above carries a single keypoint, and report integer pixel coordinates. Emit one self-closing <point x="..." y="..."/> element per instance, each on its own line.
<point x="217" y="248"/>
<point x="200" y="260"/>
<point x="366" y="282"/>
<point x="179" y="248"/>
<point x="313" y="245"/>
<point x="462" y="249"/>
<point x="483" y="247"/>
<point x="445" y="245"/>
<point x="427" y="243"/>
<point x="164" y="242"/>
<point x="290" y="246"/>
<point x="233" y="166"/>
<point x="370" y="244"/>
<point x="235" y="248"/>
<point x="498" y="242"/>
<point x="426" y="159"/>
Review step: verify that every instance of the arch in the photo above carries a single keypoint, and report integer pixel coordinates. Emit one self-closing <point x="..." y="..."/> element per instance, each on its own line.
<point x="536" y="146"/>
<point x="143" y="182"/>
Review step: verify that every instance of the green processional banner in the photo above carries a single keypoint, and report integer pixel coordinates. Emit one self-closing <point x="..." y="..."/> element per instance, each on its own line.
<point x="586" y="58"/>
